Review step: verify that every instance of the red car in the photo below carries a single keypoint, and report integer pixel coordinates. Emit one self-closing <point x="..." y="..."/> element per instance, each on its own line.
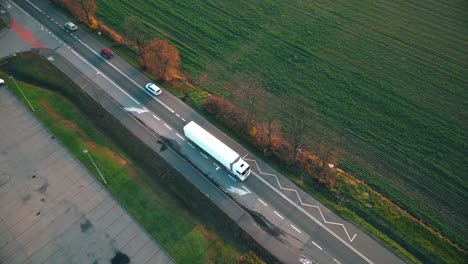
<point x="107" y="53"/>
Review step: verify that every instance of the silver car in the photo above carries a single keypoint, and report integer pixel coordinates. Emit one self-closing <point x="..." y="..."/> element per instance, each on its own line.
<point x="153" y="89"/>
<point x="70" y="26"/>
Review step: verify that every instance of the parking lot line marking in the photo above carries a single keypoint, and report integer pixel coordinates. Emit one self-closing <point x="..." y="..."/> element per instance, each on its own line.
<point x="167" y="126"/>
<point x="295" y="228"/>
<point x="260" y="200"/>
<point x="278" y="214"/>
<point x="317" y="245"/>
<point x="180" y="136"/>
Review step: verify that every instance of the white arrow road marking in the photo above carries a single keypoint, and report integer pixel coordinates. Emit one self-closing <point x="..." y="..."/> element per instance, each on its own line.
<point x="236" y="190"/>
<point x="216" y="165"/>
<point x="135" y="109"/>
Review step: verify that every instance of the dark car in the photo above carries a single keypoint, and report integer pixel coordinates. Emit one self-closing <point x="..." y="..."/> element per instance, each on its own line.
<point x="107" y="53"/>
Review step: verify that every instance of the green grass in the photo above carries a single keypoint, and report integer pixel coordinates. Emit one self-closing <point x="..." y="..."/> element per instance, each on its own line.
<point x="388" y="80"/>
<point x="169" y="209"/>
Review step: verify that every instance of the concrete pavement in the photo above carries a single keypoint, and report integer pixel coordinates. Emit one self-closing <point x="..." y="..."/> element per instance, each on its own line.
<point x="52" y="209"/>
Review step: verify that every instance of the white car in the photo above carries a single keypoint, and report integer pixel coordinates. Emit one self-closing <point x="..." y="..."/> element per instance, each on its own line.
<point x="70" y="26"/>
<point x="153" y="89"/>
<point x="2" y="82"/>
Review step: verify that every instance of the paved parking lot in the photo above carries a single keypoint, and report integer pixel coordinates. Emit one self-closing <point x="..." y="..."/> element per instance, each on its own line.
<point x="51" y="209"/>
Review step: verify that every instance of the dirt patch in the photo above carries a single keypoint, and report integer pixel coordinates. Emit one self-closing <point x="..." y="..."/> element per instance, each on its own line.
<point x="107" y="152"/>
<point x="50" y="111"/>
<point x="206" y="233"/>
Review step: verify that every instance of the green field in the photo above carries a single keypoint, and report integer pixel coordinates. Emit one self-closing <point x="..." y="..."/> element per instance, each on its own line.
<point x="388" y="80"/>
<point x="168" y="208"/>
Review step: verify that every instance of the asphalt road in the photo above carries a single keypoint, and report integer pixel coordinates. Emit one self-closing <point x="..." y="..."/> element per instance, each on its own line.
<point x="304" y="227"/>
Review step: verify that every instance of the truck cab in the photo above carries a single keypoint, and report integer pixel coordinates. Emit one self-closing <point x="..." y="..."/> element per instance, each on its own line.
<point x="241" y="169"/>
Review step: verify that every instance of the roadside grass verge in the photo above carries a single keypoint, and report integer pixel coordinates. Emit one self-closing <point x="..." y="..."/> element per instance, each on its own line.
<point x="178" y="216"/>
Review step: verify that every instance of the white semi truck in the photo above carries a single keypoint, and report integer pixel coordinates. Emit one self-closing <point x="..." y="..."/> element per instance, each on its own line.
<point x="218" y="150"/>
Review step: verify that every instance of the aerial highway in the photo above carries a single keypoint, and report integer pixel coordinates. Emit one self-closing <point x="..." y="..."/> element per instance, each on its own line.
<point x="306" y="230"/>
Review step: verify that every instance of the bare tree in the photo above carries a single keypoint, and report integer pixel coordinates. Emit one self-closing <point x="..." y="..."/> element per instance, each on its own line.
<point x="268" y="104"/>
<point x="327" y="159"/>
<point x="248" y="92"/>
<point x="86" y="10"/>
<point x="134" y="31"/>
<point x="298" y="120"/>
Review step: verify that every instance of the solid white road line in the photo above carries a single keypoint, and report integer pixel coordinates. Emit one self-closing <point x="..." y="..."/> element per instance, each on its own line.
<point x="33" y="6"/>
<point x="167" y="126"/>
<point x="232" y="178"/>
<point x="313" y="218"/>
<point x="156" y="117"/>
<point x="79" y="56"/>
<point x="122" y="90"/>
<point x="180" y="136"/>
<point x="319" y="247"/>
<point x="278" y="214"/>
<point x="260" y="200"/>
<point x="295" y="228"/>
<point x="203" y="155"/>
<point x="336" y="261"/>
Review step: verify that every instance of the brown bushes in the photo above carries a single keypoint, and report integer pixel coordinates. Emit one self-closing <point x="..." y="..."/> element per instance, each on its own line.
<point x="280" y="147"/>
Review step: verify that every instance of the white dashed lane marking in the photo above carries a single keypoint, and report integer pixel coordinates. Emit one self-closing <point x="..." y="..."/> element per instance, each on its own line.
<point x="180" y="136"/>
<point x="167" y="126"/>
<point x="191" y="145"/>
<point x="232" y="178"/>
<point x="295" y="228"/>
<point x="156" y="117"/>
<point x="319" y="247"/>
<point x="278" y="214"/>
<point x="260" y="200"/>
<point x="336" y="261"/>
<point x="203" y="155"/>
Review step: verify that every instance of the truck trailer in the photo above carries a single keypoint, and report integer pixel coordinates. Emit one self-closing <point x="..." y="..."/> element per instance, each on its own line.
<point x="218" y="150"/>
